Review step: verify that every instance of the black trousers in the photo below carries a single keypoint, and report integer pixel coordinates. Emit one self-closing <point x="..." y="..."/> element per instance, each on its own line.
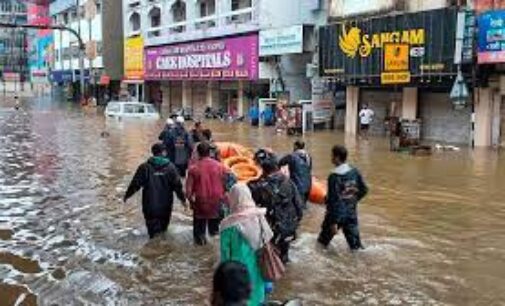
<point x="157" y="226"/>
<point x="182" y="169"/>
<point x="200" y="227"/>
<point x="349" y="227"/>
<point x="255" y="122"/>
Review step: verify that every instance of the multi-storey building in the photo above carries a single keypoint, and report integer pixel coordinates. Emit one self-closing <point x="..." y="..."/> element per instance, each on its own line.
<point x="215" y="53"/>
<point x="13" y="42"/>
<point x="100" y="27"/>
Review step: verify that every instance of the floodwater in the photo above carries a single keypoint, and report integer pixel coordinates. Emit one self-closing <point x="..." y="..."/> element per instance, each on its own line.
<point x="433" y="226"/>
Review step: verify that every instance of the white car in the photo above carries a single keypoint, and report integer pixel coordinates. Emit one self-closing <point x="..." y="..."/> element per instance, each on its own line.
<point x="121" y="109"/>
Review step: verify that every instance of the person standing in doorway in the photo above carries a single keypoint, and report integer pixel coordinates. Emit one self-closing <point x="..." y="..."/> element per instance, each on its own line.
<point x="159" y="180"/>
<point x="365" y="119"/>
<point x="300" y="169"/>
<point x="183" y="147"/>
<point x="346" y="188"/>
<point x="206" y="193"/>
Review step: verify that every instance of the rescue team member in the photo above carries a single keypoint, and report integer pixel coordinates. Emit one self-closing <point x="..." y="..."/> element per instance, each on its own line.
<point x="205" y="191"/>
<point x="277" y="193"/>
<point x="300" y="169"/>
<point x="183" y="147"/>
<point x="346" y="188"/>
<point x="158" y="179"/>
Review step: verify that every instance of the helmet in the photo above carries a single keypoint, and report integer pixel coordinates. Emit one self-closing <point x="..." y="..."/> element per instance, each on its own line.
<point x="170" y="121"/>
<point x="179" y="119"/>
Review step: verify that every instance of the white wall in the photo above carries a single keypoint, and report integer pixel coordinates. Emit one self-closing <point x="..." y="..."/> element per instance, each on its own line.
<point x="424" y="5"/>
<point x="281" y="13"/>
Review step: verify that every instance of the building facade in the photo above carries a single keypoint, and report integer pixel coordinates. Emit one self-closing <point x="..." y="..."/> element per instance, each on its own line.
<point x="401" y="58"/>
<point x="13" y="45"/>
<point x="214" y="53"/>
<point x="99" y="24"/>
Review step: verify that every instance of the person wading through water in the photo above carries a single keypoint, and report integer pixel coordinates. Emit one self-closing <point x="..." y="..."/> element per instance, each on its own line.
<point x="183" y="147"/>
<point x="158" y="179"/>
<point x="277" y="193"/>
<point x="300" y="169"/>
<point x="167" y="136"/>
<point x="243" y="233"/>
<point x="205" y="190"/>
<point x="346" y="188"/>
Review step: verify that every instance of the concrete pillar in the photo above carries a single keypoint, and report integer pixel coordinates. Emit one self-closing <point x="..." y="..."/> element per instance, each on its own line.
<point x="351" y="113"/>
<point x="409" y="103"/>
<point x="186" y="94"/>
<point x="240" y="99"/>
<point x="483" y="117"/>
<point x="209" y="93"/>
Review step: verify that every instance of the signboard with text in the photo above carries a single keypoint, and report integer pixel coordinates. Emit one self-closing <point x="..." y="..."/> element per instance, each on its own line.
<point x="487" y="5"/>
<point x="354" y="48"/>
<point x="218" y="59"/>
<point x="491" y="38"/>
<point x="280" y="41"/>
<point x="134" y="58"/>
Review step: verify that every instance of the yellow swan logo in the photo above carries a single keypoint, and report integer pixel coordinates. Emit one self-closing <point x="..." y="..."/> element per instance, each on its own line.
<point x="350" y="41"/>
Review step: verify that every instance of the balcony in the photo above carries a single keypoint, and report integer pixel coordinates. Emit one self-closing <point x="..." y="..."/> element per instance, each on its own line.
<point x="217" y="25"/>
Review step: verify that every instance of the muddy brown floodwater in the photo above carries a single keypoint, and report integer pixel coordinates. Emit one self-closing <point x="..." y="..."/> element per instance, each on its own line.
<point x="433" y="226"/>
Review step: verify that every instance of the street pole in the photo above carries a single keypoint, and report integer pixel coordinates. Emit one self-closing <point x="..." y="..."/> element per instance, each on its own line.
<point x="82" y="50"/>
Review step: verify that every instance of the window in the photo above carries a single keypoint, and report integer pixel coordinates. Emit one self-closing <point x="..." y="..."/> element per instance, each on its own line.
<point x="150" y="109"/>
<point x="135" y="22"/>
<point x="155" y="17"/>
<point x="178" y="11"/>
<point x="240" y="4"/>
<point x="207" y="8"/>
<point x="129" y="108"/>
<point x="114" y="107"/>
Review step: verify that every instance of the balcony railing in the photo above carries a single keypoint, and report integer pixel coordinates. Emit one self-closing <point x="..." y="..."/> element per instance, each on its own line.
<point x="227" y="21"/>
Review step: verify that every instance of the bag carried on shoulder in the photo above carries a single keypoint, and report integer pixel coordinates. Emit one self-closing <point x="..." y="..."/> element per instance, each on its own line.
<point x="270" y="263"/>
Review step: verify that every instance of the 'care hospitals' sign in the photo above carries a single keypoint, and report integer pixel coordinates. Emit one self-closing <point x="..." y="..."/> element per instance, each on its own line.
<point x="134" y="58"/>
<point x="233" y="58"/>
<point x="491" y="46"/>
<point x="354" y="49"/>
<point x="281" y="41"/>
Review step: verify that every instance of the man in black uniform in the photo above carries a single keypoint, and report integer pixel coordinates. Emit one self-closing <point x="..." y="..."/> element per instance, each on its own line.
<point x="159" y="179"/>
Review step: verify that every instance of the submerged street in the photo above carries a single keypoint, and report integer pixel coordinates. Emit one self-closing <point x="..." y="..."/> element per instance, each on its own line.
<point x="432" y="225"/>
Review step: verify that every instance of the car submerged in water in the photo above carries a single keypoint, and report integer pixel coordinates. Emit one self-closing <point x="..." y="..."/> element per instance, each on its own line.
<point x="123" y="109"/>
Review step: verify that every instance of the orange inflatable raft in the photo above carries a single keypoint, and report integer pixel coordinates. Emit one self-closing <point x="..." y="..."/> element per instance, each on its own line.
<point x="234" y="160"/>
<point x="246" y="172"/>
<point x="317" y="192"/>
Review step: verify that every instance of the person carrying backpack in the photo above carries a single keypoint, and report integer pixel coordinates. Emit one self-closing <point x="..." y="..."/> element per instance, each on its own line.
<point x="183" y="147"/>
<point x="300" y="169"/>
<point x="278" y="194"/>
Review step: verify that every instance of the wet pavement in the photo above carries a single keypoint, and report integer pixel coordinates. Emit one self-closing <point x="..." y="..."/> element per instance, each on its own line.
<point x="433" y="226"/>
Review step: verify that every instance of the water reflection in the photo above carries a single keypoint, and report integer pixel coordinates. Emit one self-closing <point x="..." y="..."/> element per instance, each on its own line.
<point x="432" y="225"/>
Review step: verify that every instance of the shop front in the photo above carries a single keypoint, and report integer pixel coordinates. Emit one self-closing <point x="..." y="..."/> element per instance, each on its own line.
<point x="402" y="67"/>
<point x="218" y="74"/>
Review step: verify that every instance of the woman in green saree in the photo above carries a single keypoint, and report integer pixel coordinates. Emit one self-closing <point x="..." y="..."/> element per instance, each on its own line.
<point x="243" y="233"/>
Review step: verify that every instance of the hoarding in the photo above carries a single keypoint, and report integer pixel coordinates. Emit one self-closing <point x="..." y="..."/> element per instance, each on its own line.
<point x="491" y="38"/>
<point x="486" y="5"/>
<point x="343" y="8"/>
<point x="354" y="48"/>
<point x="220" y="59"/>
<point x="134" y="58"/>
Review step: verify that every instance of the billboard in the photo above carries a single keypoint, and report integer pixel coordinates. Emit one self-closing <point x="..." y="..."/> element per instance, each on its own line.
<point x="487" y="5"/>
<point x="218" y="59"/>
<point x="134" y="58"/>
<point x="422" y="44"/>
<point x="491" y="37"/>
<point x="40" y="42"/>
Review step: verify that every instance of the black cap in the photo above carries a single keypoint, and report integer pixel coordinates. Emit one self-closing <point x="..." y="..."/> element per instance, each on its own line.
<point x="157" y="149"/>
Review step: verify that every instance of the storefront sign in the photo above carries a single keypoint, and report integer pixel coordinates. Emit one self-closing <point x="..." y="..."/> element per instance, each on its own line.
<point x="396" y="57"/>
<point x="395" y="77"/>
<point x="354" y="49"/>
<point x="39" y="76"/>
<point x="220" y="59"/>
<point x="134" y="58"/>
<point x="281" y="41"/>
<point x="491" y="46"/>
<point x="11" y="77"/>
